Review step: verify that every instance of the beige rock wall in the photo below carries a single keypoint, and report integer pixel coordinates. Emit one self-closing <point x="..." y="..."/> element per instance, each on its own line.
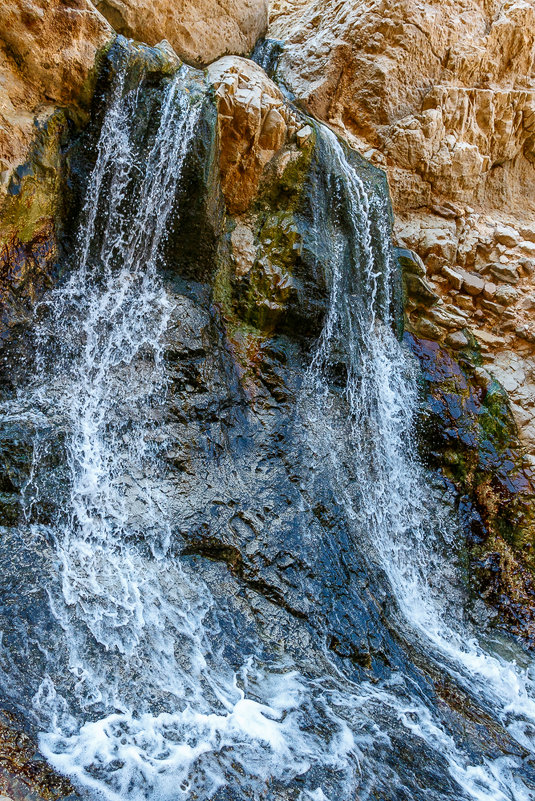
<point x="47" y="54"/>
<point x="441" y="94"/>
<point x="199" y="30"/>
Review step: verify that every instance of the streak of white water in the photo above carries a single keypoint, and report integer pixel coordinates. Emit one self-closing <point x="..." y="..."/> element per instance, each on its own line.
<point x="394" y="504"/>
<point x="154" y="709"/>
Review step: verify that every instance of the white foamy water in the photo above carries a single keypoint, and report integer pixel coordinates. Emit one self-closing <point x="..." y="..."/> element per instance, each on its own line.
<point x="152" y="707"/>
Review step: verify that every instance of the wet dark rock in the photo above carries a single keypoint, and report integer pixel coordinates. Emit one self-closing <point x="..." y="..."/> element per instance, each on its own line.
<point x="254" y="513"/>
<point x="468" y="432"/>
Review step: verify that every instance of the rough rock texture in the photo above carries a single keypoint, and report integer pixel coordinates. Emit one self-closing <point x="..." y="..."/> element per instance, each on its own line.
<point x="442" y="95"/>
<point x="47" y="59"/>
<point x="257" y="512"/>
<point x="254" y="121"/>
<point x="199" y="30"/>
<point x="48" y="55"/>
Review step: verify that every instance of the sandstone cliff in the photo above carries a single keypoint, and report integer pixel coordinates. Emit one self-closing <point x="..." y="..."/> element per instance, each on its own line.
<point x="199" y="30"/>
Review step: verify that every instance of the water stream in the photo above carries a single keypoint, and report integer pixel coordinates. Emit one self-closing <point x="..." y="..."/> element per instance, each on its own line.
<point x="142" y="692"/>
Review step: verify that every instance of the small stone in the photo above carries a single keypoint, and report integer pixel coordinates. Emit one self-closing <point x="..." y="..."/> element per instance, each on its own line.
<point x="425" y="328"/>
<point x="489" y="290"/>
<point x="454" y="278"/>
<point x="527" y="266"/>
<point x="526" y="333"/>
<point x="493" y="308"/>
<point x="434" y="264"/>
<point x="508" y="382"/>
<point x="442" y="211"/>
<point x="457" y="340"/>
<point x="487" y="338"/>
<point x="528" y="303"/>
<point x="528" y="232"/>
<point x="420" y="290"/>
<point x="273" y="131"/>
<point x="449" y="317"/>
<point x="473" y="284"/>
<point x="304" y="135"/>
<point x="465" y="302"/>
<point x="506" y="295"/>
<point x="505" y="235"/>
<point x="507" y="273"/>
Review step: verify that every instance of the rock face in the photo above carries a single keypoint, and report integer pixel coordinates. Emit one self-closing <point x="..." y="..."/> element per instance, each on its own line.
<point x="47" y="59"/>
<point x="442" y="95"/>
<point x="255" y="122"/>
<point x="261" y="216"/>
<point x="199" y="30"/>
<point x="48" y="55"/>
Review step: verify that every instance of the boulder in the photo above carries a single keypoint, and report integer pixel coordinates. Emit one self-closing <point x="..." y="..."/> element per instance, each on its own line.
<point x="200" y="31"/>
<point x="254" y="123"/>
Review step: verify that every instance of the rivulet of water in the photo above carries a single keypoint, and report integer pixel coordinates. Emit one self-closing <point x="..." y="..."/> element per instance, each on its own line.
<point x="141" y="700"/>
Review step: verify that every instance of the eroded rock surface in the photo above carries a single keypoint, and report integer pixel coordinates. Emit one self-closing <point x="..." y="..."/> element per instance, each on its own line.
<point x="199" y="30"/>
<point x="441" y="95"/>
<point x="47" y="59"/>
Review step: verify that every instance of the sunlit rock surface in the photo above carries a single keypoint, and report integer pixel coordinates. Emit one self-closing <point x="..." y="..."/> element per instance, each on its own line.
<point x="199" y="30"/>
<point x="442" y="96"/>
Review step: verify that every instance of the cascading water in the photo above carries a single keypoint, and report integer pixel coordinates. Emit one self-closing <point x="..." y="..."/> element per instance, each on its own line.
<point x="141" y="690"/>
<point x="395" y="509"/>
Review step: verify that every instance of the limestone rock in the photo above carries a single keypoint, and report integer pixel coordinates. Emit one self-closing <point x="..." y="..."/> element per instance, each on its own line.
<point x="254" y="122"/>
<point x="47" y="57"/>
<point x="200" y="31"/>
<point x="444" y="90"/>
<point x="444" y="93"/>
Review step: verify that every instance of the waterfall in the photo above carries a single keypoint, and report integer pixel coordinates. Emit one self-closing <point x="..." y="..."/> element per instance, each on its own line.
<point x="385" y="488"/>
<point x="144" y="704"/>
<point x="149" y="689"/>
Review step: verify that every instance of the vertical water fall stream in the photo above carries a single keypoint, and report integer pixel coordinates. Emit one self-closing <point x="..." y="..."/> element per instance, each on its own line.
<point x="142" y="695"/>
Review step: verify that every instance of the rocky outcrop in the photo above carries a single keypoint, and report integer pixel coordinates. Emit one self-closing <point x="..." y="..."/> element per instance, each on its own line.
<point x="48" y="69"/>
<point x="47" y="60"/>
<point x="442" y="96"/>
<point x="254" y="123"/>
<point x="199" y="30"/>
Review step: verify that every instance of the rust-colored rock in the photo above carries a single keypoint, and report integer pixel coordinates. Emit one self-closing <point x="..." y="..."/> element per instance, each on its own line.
<point x="254" y="123"/>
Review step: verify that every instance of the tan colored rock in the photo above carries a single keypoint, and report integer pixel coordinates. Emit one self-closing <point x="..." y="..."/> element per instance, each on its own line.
<point x="444" y="90"/>
<point x="489" y="290"/>
<point x="454" y="278"/>
<point x="200" y="31"/>
<point x="47" y="56"/>
<point x="506" y="295"/>
<point x="445" y="93"/>
<point x="457" y="340"/>
<point x="473" y="284"/>
<point x="243" y="249"/>
<point x="254" y="123"/>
